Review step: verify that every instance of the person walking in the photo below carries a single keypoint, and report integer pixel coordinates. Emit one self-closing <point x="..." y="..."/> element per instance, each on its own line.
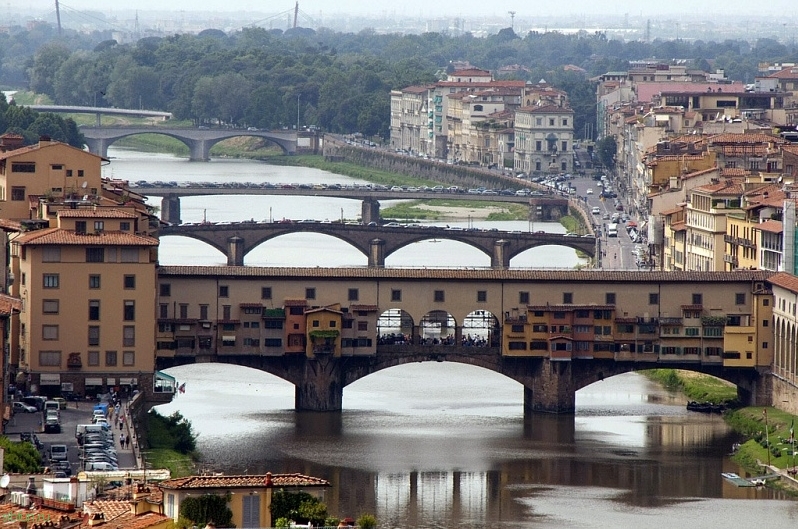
<point x="122" y="441"/>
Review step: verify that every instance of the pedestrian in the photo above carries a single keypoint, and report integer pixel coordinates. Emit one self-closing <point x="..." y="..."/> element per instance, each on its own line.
<point x="121" y="423"/>
<point x="122" y="440"/>
<point x="127" y="442"/>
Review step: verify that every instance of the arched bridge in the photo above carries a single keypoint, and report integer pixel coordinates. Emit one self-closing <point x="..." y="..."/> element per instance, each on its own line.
<point x="549" y="386"/>
<point x="199" y="141"/>
<point x="376" y="242"/>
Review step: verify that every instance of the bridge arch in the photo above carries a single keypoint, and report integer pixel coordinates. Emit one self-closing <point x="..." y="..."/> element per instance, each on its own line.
<point x="395" y="327"/>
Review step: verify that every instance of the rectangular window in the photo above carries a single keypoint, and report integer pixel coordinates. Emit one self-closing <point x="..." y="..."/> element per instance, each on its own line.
<point x="94" y="335"/>
<point x="95" y="255"/>
<point x="226" y="309"/>
<point x="396" y="295"/>
<point x="99" y="225"/>
<point x="183" y="311"/>
<point x="50" y="358"/>
<point x="94" y="281"/>
<point x="129" y="310"/>
<point x="80" y="172"/>
<point x="273" y="342"/>
<point x="49" y="332"/>
<point x="698" y="299"/>
<point x="129" y="336"/>
<point x="266" y="293"/>
<point x="315" y="323"/>
<point x="17" y="193"/>
<point x="128" y="255"/>
<point x="567" y="298"/>
<point x="69" y="172"/>
<point x="224" y="291"/>
<point x="609" y="298"/>
<point x="110" y="358"/>
<point x="653" y="298"/>
<point x="362" y="326"/>
<point x="439" y="296"/>
<point x="691" y="331"/>
<point x="482" y="296"/>
<point x="353" y="294"/>
<point x="51" y="254"/>
<point x="523" y="298"/>
<point x="163" y="310"/>
<point x="739" y="298"/>
<point x="94" y="310"/>
<point x="94" y="358"/>
<point x="50" y="280"/>
<point x="129" y="282"/>
<point x="50" y="306"/>
<point x="165" y="290"/>
<point x="80" y="227"/>
<point x="310" y="293"/>
<point x="128" y="358"/>
<point x="203" y="312"/>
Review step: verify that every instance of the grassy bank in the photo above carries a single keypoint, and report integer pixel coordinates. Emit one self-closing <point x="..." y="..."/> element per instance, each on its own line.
<point x="444" y="208"/>
<point x="352" y="170"/>
<point x="695" y="386"/>
<point x="171" y="443"/>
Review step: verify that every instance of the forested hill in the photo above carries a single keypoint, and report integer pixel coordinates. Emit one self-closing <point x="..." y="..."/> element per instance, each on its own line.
<point x="341" y="81"/>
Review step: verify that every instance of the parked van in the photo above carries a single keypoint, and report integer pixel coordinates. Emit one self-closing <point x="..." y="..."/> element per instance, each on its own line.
<point x="35" y="401"/>
<point x="58" y="452"/>
<point x="51" y="405"/>
<point x="612" y="230"/>
<point x="100" y="465"/>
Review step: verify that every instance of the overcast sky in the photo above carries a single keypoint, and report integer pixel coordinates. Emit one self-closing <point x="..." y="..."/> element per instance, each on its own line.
<point x="721" y="10"/>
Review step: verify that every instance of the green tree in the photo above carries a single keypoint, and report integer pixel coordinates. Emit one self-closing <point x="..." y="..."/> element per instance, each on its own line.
<point x="208" y="508"/>
<point x="297" y="506"/>
<point x="606" y="149"/>
<point x="46" y="63"/>
<point x="20" y="457"/>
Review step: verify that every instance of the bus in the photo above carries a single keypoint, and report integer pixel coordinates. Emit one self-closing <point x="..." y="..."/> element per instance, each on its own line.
<point x="612" y="230"/>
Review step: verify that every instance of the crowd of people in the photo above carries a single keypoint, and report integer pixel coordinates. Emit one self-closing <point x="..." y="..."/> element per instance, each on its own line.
<point x="449" y="340"/>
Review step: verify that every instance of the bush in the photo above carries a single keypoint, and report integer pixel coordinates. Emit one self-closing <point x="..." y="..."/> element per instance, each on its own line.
<point x="20" y="457"/>
<point x="367" y="521"/>
<point x="170" y="432"/>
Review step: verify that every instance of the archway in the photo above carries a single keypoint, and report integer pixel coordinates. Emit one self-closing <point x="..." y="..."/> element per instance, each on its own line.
<point x="438" y="327"/>
<point x="481" y="329"/>
<point x="548" y="256"/>
<point x="395" y="327"/>
<point x="178" y="250"/>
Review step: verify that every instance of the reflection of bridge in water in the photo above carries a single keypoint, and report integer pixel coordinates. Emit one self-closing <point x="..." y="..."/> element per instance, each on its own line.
<point x="236" y="240"/>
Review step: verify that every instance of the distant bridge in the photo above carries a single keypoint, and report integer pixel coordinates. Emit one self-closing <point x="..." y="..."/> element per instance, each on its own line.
<point x="199" y="141"/>
<point x="100" y="111"/>
<point x="236" y="240"/>
<point x="543" y="207"/>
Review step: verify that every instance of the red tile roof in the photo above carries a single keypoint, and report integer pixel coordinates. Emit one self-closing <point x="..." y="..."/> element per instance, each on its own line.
<point x="9" y="305"/>
<point x="232" y="482"/>
<point x="105" y="213"/>
<point x="67" y="237"/>
<point x="785" y="280"/>
<point x="772" y="226"/>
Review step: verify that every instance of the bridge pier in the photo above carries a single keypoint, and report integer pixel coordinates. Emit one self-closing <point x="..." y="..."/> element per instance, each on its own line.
<point x="321" y="388"/>
<point x="500" y="258"/>
<point x="553" y="389"/>
<point x="370" y="211"/>
<point x="235" y="251"/>
<point x="170" y="209"/>
<point x="98" y="146"/>
<point x="376" y="253"/>
<point x="199" y="152"/>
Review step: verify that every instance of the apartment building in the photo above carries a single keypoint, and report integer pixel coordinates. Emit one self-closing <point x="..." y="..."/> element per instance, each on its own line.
<point x="87" y="285"/>
<point x="785" y="340"/>
<point x="544" y="139"/>
<point x="705" y="221"/>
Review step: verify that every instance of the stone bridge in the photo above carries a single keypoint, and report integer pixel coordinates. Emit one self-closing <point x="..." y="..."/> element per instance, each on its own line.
<point x="549" y="385"/>
<point x="199" y="141"/>
<point x="236" y="240"/>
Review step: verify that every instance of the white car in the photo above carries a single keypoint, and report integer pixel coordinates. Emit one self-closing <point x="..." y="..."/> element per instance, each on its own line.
<point x="596" y="210"/>
<point x="589" y="191"/>
<point x="24" y="408"/>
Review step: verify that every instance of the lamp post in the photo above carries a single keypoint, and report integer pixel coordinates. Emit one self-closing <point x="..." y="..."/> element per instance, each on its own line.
<point x="767" y="436"/>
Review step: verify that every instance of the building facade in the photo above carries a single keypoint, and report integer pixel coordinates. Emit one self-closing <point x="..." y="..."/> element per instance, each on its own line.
<point x="544" y="139"/>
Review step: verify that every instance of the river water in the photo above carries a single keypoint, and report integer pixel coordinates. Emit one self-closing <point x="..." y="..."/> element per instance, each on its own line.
<point x="444" y="445"/>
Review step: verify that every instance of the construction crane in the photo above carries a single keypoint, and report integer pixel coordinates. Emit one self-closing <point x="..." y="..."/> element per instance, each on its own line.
<point x="296" y="12"/>
<point x="58" y="16"/>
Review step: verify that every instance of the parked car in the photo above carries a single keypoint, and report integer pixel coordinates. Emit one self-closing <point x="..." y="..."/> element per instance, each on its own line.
<point x="24" y="408"/>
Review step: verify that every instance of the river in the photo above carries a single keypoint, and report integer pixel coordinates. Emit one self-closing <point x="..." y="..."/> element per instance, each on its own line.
<point x="444" y="445"/>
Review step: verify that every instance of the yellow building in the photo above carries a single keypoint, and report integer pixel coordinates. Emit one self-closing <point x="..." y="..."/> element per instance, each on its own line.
<point x="249" y="497"/>
<point x="47" y="169"/>
<point x="87" y="286"/>
<point x="323" y="331"/>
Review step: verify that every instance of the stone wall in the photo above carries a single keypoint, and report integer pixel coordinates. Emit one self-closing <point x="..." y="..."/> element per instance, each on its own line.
<point x="785" y="395"/>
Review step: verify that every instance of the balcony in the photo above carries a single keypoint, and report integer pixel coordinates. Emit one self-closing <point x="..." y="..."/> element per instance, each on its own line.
<point x="731" y="259"/>
<point x="74" y="361"/>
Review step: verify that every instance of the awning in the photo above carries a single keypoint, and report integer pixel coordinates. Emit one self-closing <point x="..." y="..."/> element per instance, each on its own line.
<point x="111" y="381"/>
<point x="94" y="381"/>
<point x="128" y="381"/>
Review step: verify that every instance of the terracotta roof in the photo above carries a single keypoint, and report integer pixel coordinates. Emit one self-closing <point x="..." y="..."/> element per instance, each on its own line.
<point x="746" y="138"/>
<point x="727" y="187"/>
<point x="120" y="514"/>
<point x="319" y="274"/>
<point x="470" y="71"/>
<point x="105" y="213"/>
<point x="731" y="172"/>
<point x="547" y="109"/>
<point x="678" y="226"/>
<point x="570" y="308"/>
<point x="672" y="211"/>
<point x="323" y="309"/>
<point x="42" y="145"/>
<point x="785" y="280"/>
<point x="772" y="226"/>
<point x="295" y="303"/>
<point x="786" y="73"/>
<point x="253" y="481"/>
<point x="9" y="305"/>
<point x="69" y="237"/>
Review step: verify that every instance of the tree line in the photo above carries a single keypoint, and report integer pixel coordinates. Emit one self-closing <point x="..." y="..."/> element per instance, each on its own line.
<point x="340" y="82"/>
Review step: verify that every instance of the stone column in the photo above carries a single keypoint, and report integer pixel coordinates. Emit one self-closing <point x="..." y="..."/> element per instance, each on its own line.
<point x="376" y="253"/>
<point x="170" y="209"/>
<point x="235" y="251"/>
<point x="500" y="258"/>
<point x="321" y="388"/>
<point x="553" y="389"/>
<point x="370" y="211"/>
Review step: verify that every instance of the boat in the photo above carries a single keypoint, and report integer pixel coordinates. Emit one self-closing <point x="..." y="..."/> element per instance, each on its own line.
<point x="705" y="407"/>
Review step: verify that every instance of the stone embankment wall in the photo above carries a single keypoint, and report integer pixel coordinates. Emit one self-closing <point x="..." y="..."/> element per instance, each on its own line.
<point x="450" y="175"/>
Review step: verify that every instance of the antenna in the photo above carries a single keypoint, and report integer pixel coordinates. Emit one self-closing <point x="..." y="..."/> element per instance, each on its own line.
<point x="58" y="16"/>
<point x="84" y="185"/>
<point x="512" y="19"/>
<point x="4" y="481"/>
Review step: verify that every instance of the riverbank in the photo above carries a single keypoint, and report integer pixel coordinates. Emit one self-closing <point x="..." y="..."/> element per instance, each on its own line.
<point x="771" y="443"/>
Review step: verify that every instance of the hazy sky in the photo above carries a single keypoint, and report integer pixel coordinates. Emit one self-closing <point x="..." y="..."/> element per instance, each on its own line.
<point x="721" y="10"/>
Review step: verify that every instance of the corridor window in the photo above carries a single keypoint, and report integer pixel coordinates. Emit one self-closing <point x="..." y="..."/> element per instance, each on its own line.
<point x="396" y="295"/>
<point x="224" y="291"/>
<point x="567" y="298"/>
<point x="482" y="296"/>
<point x="610" y="298"/>
<point x="439" y="296"/>
<point x="523" y="298"/>
<point x="95" y="255"/>
<point x="310" y="293"/>
<point x="353" y="294"/>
